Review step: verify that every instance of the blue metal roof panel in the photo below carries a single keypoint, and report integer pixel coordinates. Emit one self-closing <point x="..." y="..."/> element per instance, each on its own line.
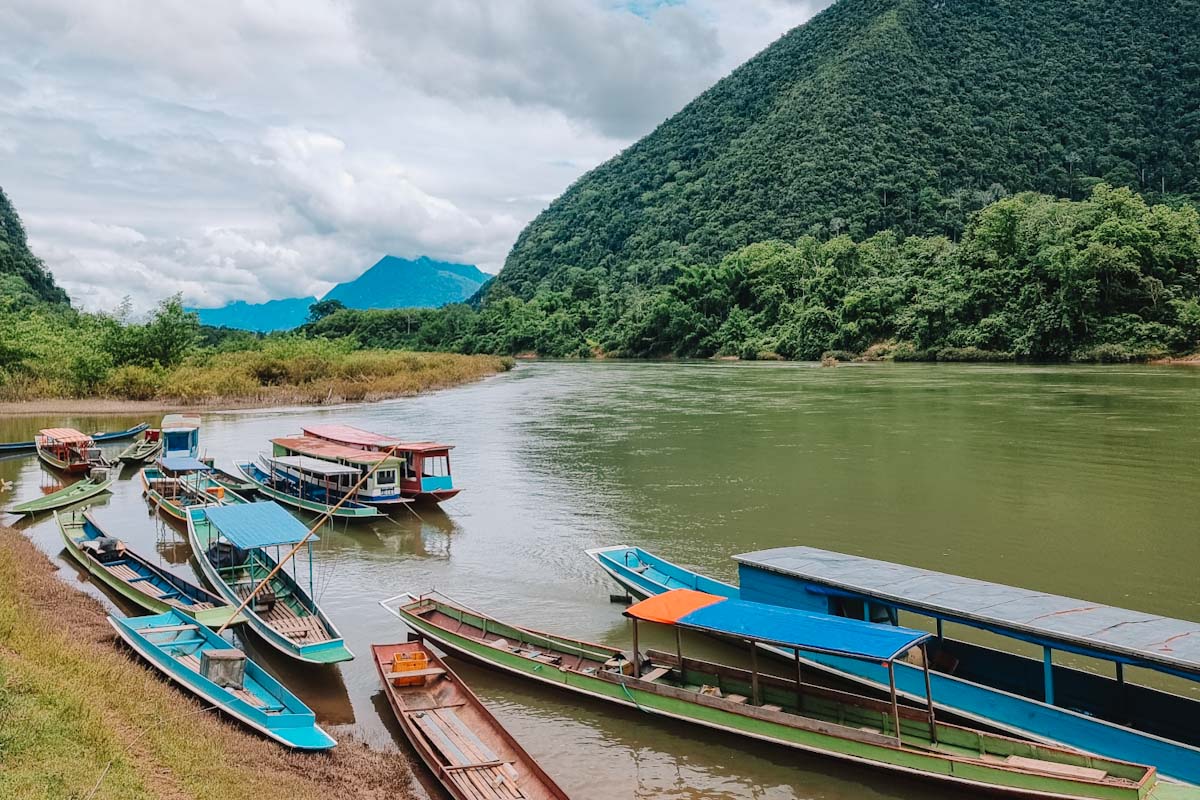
<point x="804" y="630"/>
<point x="183" y="464"/>
<point x="1094" y="628"/>
<point x="252" y="525"/>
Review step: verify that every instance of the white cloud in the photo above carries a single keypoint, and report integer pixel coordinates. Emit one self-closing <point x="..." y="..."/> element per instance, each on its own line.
<point x="253" y="150"/>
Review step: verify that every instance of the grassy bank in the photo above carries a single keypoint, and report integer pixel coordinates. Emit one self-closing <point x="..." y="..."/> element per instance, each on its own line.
<point x="80" y="718"/>
<point x="281" y="372"/>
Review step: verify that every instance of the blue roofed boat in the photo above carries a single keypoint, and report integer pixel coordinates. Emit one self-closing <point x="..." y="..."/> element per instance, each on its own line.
<point x="176" y="483"/>
<point x="181" y="435"/>
<point x="213" y="669"/>
<point x="1066" y="706"/>
<point x="232" y="545"/>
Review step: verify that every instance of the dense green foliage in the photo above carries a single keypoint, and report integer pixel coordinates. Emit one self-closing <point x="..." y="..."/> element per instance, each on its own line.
<point x="24" y="281"/>
<point x="881" y="115"/>
<point x="1107" y="278"/>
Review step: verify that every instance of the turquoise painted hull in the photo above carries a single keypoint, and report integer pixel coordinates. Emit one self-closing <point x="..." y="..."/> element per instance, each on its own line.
<point x="333" y="650"/>
<point x="274" y="711"/>
<point x="644" y="575"/>
<point x="202" y="484"/>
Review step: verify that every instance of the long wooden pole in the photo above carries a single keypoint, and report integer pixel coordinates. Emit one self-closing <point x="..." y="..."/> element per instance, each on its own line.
<point x="320" y="521"/>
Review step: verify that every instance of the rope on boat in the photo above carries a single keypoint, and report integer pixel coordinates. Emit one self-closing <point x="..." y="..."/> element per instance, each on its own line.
<point x="632" y="699"/>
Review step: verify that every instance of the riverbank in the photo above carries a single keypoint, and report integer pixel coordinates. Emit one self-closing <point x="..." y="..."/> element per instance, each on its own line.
<point x="81" y="718"/>
<point x="258" y="379"/>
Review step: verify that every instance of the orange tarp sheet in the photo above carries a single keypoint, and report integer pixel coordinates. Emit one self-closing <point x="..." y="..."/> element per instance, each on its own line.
<point x="669" y="607"/>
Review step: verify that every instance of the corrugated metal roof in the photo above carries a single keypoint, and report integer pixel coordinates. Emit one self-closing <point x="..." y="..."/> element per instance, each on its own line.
<point x="251" y="525"/>
<point x="65" y="435"/>
<point x="1047" y="618"/>
<point x="314" y="465"/>
<point x="183" y="464"/>
<point x="348" y="434"/>
<point x="320" y="448"/>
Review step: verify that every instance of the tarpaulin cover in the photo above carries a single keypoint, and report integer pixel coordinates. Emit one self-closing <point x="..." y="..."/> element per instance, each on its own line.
<point x="788" y="627"/>
<point x="65" y="435"/>
<point x="253" y="525"/>
<point x="183" y="464"/>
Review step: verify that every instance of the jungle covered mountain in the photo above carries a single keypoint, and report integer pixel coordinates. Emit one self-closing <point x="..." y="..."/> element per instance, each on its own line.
<point x="903" y="115"/>
<point x="24" y="280"/>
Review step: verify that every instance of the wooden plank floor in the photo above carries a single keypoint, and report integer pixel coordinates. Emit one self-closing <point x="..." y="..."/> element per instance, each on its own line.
<point x="468" y="763"/>
<point x="304" y="629"/>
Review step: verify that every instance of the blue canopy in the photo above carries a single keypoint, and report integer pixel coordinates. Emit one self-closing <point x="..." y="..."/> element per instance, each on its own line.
<point x="252" y="525"/>
<point x="786" y="627"/>
<point x="183" y="464"/>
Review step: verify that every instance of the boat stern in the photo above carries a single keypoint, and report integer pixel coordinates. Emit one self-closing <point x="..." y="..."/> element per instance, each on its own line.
<point x="216" y="617"/>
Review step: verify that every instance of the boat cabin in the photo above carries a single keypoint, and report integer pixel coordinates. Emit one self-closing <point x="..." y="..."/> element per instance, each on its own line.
<point x="68" y="449"/>
<point x="310" y="478"/>
<point x="426" y="471"/>
<point x="181" y="435"/>
<point x="863" y="588"/>
<point x="381" y="487"/>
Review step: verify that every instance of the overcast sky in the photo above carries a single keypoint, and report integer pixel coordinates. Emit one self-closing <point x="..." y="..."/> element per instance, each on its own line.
<point x="259" y="150"/>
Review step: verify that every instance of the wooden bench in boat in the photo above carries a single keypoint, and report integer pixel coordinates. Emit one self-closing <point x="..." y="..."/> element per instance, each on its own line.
<point x="284" y="620"/>
<point x="468" y="763"/>
<point x="656" y="673"/>
<point x="416" y="673"/>
<point x="1054" y="768"/>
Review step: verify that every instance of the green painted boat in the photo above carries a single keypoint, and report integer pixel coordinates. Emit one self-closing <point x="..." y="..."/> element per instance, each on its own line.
<point x="142" y="450"/>
<point x="783" y="711"/>
<point x="132" y="576"/>
<point x="75" y="493"/>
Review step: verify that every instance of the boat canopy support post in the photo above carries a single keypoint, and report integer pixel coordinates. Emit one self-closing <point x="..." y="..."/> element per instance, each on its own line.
<point x="1048" y="674"/>
<point x="637" y="656"/>
<point x="799" y="683"/>
<point x="679" y="652"/>
<point x="891" y="665"/>
<point x="929" y="695"/>
<point x="940" y="633"/>
<point x="754" y="688"/>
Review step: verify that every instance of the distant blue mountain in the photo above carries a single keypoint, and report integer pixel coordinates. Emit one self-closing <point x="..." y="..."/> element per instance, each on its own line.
<point x="273" y="315"/>
<point x="390" y="283"/>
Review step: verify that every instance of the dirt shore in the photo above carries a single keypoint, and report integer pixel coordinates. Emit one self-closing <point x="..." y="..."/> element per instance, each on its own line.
<point x="81" y="716"/>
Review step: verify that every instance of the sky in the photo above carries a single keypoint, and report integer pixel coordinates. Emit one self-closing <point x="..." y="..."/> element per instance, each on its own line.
<point x="261" y="150"/>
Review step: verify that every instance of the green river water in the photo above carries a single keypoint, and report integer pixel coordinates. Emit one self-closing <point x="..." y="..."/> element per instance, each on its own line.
<point x="1073" y="480"/>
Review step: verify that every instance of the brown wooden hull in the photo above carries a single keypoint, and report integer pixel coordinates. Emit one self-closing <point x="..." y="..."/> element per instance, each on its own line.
<point x="472" y="755"/>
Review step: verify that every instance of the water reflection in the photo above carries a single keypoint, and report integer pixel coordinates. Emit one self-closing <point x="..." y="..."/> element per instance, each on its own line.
<point x="1079" y="481"/>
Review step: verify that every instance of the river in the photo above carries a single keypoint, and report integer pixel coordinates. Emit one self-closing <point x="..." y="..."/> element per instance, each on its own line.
<point x="1074" y="480"/>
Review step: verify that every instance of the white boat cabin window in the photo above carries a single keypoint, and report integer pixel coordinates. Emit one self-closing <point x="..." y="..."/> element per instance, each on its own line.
<point x="385" y="476"/>
<point x="435" y="466"/>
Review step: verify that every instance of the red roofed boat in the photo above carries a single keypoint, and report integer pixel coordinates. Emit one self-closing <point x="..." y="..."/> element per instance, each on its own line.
<point x="425" y="475"/>
<point x="68" y="450"/>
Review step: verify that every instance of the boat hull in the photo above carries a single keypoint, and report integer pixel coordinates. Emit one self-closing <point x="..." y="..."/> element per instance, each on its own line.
<point x="293" y="726"/>
<point x="1012" y="713"/>
<point x="784" y="729"/>
<point x="329" y="652"/>
<point x="356" y="512"/>
<point x="75" y="493"/>
<point x="62" y="465"/>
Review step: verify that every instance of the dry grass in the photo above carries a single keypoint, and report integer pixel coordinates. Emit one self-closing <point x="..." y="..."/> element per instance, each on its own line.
<point x="74" y="704"/>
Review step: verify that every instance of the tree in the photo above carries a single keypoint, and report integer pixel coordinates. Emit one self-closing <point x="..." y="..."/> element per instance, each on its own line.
<point x="323" y="308"/>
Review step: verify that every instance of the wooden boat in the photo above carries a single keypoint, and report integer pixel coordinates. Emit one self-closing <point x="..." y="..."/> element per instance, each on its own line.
<point x="426" y="474"/>
<point x="1030" y="696"/>
<point x="220" y="674"/>
<point x="781" y="710"/>
<point x="70" y="495"/>
<point x="379" y="470"/>
<point x="135" y="578"/>
<point x="237" y="484"/>
<point x="142" y="450"/>
<point x="643" y="575"/>
<point x="7" y="448"/>
<point x="178" y="483"/>
<point x="68" y="450"/>
<point x="466" y="748"/>
<point x="231" y="544"/>
<point x="308" y="484"/>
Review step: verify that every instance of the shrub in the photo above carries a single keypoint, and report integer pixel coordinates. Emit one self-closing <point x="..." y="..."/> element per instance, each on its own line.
<point x="134" y="383"/>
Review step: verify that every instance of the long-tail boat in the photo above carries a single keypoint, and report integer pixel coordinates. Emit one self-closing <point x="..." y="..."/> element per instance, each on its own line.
<point x="220" y="674"/>
<point x="7" y="448"/>
<point x="236" y="483"/>
<point x="425" y="476"/>
<point x="784" y="711"/>
<point x="68" y="450"/>
<point x="379" y="489"/>
<point x="143" y="449"/>
<point x="67" y="496"/>
<point x="308" y="484"/>
<point x="176" y="484"/>
<point x="968" y="681"/>
<point x="134" y="577"/>
<point x="466" y="748"/>
<point x="232" y="546"/>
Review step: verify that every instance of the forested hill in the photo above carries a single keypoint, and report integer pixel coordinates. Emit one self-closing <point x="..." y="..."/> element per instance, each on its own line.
<point x="23" y="278"/>
<point x="888" y="114"/>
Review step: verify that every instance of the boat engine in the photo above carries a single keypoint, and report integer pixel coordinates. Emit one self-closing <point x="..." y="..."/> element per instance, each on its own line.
<point x="224" y="554"/>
